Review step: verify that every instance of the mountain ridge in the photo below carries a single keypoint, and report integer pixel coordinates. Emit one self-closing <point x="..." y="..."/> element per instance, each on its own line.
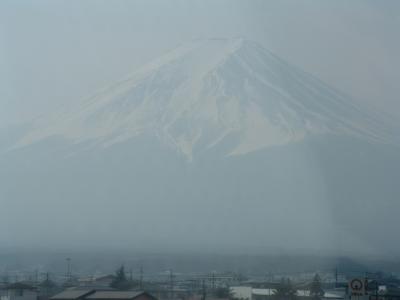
<point x="205" y="92"/>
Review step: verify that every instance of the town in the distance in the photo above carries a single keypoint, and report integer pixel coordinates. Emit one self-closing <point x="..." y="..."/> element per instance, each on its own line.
<point x="135" y="282"/>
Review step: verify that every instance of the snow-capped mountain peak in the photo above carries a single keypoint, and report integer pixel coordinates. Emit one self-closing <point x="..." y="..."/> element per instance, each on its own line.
<point x="207" y="92"/>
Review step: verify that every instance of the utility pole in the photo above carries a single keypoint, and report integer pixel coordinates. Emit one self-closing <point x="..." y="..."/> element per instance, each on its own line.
<point x="141" y="278"/>
<point x="204" y="290"/>
<point x="269" y="282"/>
<point x="336" y="277"/>
<point x="171" y="283"/>
<point x="68" y="275"/>
<point x="36" y="277"/>
<point x="47" y="284"/>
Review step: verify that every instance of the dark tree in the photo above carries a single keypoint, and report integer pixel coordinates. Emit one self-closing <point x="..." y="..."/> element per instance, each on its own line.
<point x="316" y="291"/>
<point x="120" y="281"/>
<point x="285" y="290"/>
<point x="223" y="293"/>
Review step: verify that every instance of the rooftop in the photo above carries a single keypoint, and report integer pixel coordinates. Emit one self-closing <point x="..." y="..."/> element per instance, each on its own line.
<point x="115" y="295"/>
<point x="72" y="294"/>
<point x="19" y="286"/>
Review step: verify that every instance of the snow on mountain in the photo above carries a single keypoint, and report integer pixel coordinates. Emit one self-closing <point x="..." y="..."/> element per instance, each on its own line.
<point x="206" y="92"/>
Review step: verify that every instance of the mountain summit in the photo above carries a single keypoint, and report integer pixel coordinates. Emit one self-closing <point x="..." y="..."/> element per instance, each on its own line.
<point x="208" y="93"/>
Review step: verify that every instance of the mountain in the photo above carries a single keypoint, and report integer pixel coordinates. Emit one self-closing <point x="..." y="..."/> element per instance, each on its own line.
<point x="208" y="93"/>
<point x="219" y="145"/>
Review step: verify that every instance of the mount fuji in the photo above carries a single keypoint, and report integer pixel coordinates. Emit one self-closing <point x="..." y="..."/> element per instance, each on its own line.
<point x="218" y="144"/>
<point x="209" y="92"/>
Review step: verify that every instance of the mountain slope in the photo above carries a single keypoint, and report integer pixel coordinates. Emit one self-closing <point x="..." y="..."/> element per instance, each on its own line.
<point x="211" y="92"/>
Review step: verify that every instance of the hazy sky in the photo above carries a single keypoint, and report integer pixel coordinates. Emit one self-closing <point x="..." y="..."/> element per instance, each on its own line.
<point x="57" y="52"/>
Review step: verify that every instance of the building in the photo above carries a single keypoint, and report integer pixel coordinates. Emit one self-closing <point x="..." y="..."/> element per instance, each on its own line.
<point x="335" y="294"/>
<point x="249" y="293"/>
<point x="104" y="280"/>
<point x="102" y="295"/>
<point x="72" y="294"/>
<point x="18" y="291"/>
<point x="96" y="282"/>
<point x="242" y="292"/>
<point x="120" y="295"/>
